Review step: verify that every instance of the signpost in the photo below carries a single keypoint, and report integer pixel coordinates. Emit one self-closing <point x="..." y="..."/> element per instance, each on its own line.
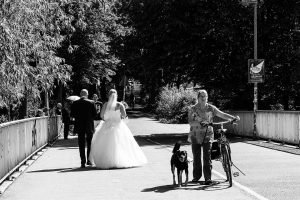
<point x="256" y="70"/>
<point x="253" y="65"/>
<point x="256" y="74"/>
<point x="247" y="2"/>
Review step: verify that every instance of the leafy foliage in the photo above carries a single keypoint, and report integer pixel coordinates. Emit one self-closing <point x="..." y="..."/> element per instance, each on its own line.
<point x="29" y="36"/>
<point x="49" y="43"/>
<point x="173" y="104"/>
<point x="279" y="45"/>
<point x="88" y="41"/>
<point x="209" y="43"/>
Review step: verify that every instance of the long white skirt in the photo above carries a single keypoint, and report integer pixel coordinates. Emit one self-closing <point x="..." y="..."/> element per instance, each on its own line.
<point x="113" y="146"/>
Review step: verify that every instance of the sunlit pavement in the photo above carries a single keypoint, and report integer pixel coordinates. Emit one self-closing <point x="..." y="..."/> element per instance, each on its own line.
<point x="56" y="173"/>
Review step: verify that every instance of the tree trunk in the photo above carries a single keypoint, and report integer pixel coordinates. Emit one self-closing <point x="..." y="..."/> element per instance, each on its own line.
<point x="23" y="108"/>
<point x="60" y="93"/>
<point x="178" y="82"/>
<point x="47" y="103"/>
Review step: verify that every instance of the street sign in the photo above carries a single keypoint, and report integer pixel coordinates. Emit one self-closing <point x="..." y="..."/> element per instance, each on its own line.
<point x="249" y="1"/>
<point x="256" y="70"/>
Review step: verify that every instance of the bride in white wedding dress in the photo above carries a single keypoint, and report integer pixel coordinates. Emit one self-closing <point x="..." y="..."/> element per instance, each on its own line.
<point x="113" y="145"/>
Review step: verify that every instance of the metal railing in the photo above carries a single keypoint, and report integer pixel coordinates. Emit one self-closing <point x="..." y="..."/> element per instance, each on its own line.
<point x="281" y="126"/>
<point x="22" y="138"/>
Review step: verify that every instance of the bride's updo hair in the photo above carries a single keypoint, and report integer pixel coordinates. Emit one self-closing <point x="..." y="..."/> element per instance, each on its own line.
<point x="111" y="91"/>
<point x="112" y="99"/>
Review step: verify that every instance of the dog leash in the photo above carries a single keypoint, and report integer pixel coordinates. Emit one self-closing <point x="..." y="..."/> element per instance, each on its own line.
<point x="205" y="134"/>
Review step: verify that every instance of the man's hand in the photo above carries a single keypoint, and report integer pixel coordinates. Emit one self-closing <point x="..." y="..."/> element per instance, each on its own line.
<point x="237" y="118"/>
<point x="204" y="123"/>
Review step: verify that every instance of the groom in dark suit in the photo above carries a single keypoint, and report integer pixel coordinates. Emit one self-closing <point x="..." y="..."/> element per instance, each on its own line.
<point x="84" y="112"/>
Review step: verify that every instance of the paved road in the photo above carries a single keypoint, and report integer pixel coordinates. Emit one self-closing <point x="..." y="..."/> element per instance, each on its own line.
<point x="56" y="174"/>
<point x="272" y="170"/>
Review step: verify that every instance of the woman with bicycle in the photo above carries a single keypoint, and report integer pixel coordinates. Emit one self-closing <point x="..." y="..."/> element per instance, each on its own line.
<point x="201" y="134"/>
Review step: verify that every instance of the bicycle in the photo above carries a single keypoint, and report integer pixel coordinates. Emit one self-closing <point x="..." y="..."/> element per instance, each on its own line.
<point x="221" y="149"/>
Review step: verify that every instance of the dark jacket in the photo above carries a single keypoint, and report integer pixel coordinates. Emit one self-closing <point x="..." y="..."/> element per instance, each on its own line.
<point x="65" y="115"/>
<point x="100" y="104"/>
<point x="84" y="112"/>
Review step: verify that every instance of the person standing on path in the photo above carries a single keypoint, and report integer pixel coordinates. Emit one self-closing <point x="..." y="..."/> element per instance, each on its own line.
<point x="84" y="112"/>
<point x="201" y="135"/>
<point x="66" y="119"/>
<point x="132" y="100"/>
<point x="58" y="109"/>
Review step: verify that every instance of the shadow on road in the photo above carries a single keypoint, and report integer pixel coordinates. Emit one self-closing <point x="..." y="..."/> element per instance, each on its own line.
<point x="172" y="138"/>
<point x="71" y="143"/>
<point x="49" y="170"/>
<point x="64" y="170"/>
<point x="218" y="185"/>
<point x="144" y="140"/>
<point x="161" y="139"/>
<point x="76" y="169"/>
<point x="138" y="114"/>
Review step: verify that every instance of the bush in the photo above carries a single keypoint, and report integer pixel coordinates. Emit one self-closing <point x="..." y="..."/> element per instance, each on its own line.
<point x="3" y="119"/>
<point x="173" y="105"/>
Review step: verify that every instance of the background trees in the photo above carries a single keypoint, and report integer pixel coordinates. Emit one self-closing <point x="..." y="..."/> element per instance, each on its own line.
<point x="30" y="33"/>
<point x="209" y="43"/>
<point x="88" y="41"/>
<point x="46" y="44"/>
<point x="279" y="45"/>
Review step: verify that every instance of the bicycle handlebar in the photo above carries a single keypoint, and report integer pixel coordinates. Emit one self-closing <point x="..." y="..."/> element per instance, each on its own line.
<point x="220" y="123"/>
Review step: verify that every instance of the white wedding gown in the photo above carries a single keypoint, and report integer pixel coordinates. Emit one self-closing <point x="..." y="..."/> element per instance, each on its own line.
<point x="113" y="145"/>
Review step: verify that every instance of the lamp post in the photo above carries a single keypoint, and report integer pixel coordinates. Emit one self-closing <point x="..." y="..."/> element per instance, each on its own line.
<point x="255" y="90"/>
<point x="255" y="84"/>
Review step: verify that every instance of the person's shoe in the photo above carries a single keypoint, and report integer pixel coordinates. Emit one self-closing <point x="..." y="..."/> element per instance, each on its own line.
<point x="208" y="182"/>
<point x="195" y="180"/>
<point x="88" y="163"/>
<point x="82" y="166"/>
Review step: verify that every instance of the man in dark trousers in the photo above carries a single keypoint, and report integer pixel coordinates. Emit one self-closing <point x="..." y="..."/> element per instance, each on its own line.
<point x="84" y="112"/>
<point x="132" y="100"/>
<point x="66" y="119"/>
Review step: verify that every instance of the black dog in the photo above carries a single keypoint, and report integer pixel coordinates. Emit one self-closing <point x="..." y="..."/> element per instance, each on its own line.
<point x="179" y="160"/>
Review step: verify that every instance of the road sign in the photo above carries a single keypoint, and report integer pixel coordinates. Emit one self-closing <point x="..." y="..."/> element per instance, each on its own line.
<point x="256" y="70"/>
<point x="249" y="1"/>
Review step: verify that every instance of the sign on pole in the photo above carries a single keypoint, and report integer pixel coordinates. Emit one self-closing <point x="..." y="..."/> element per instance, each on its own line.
<point x="256" y="70"/>
<point x="248" y="2"/>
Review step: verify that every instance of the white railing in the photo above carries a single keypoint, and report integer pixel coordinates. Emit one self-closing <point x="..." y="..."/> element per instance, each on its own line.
<point x="19" y="139"/>
<point x="281" y="126"/>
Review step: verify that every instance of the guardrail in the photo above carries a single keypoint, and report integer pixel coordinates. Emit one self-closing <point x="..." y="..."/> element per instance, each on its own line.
<point x="281" y="126"/>
<point x="20" y="139"/>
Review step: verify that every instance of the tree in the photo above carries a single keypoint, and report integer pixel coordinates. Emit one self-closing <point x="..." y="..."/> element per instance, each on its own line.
<point x="87" y="44"/>
<point x="201" y="41"/>
<point x="30" y="34"/>
<point x="280" y="48"/>
<point x="209" y="43"/>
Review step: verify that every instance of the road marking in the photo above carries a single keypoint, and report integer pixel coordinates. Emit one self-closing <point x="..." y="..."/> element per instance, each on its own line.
<point x="244" y="188"/>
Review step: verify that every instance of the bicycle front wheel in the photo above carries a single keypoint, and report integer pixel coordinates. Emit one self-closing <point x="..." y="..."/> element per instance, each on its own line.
<point x="227" y="164"/>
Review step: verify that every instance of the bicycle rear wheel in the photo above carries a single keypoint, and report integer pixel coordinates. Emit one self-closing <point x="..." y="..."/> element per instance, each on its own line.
<point x="227" y="164"/>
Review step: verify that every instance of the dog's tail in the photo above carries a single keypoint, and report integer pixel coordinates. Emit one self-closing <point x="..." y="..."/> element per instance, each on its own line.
<point x="176" y="146"/>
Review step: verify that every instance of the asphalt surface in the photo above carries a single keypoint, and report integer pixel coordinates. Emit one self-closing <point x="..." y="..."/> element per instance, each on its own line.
<point x="55" y="174"/>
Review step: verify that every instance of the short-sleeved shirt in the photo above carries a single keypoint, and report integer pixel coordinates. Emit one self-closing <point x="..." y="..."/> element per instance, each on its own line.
<point x="197" y="132"/>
